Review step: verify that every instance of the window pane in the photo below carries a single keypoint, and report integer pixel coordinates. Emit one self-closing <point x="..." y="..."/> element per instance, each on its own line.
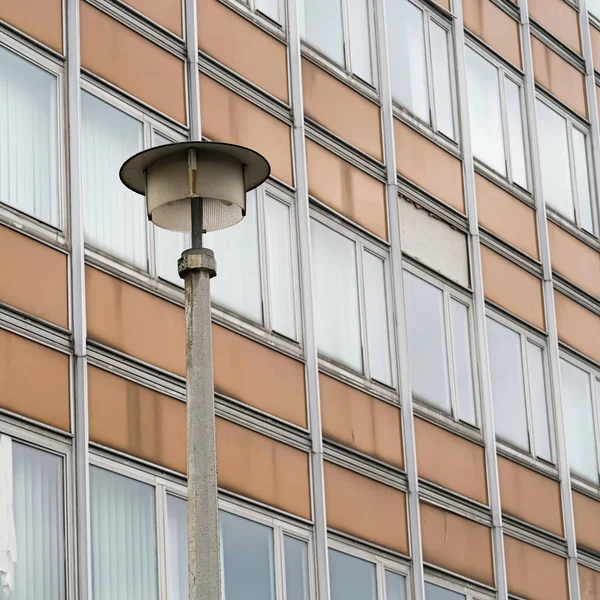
<point x="408" y="63"/>
<point x="539" y="405"/>
<point x="237" y="284"/>
<point x="377" y="318"/>
<point x="508" y="389"/>
<point x="29" y="141"/>
<point x="337" y="320"/>
<point x="427" y="342"/>
<point x="582" y="178"/>
<point x="177" y="548"/>
<point x="321" y="27"/>
<point x="485" y="113"/>
<point x="280" y="267"/>
<point x="579" y="421"/>
<point x="123" y="522"/>
<point x="38" y="508"/>
<point x="461" y="346"/>
<point x="435" y="592"/>
<point x="269" y="8"/>
<point x="554" y="160"/>
<point x="395" y="586"/>
<point x="114" y="217"/>
<point x="593" y="7"/>
<point x="442" y="88"/>
<point x="514" y="123"/>
<point x="351" y="577"/>
<point x="360" y="43"/>
<point x="247" y="551"/>
<point x="296" y="569"/>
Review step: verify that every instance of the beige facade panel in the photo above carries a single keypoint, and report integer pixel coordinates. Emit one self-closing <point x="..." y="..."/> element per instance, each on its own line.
<point x="444" y="4"/>
<point x="248" y="50"/>
<point x="589" y="583"/>
<point x="34" y="280"/>
<point x="259" y="467"/>
<point x="560" y="19"/>
<point x="577" y="326"/>
<point x="136" y="420"/>
<point x="512" y="288"/>
<point x="41" y="20"/>
<point x="346" y="189"/>
<point x="595" y="38"/>
<point x="430" y="167"/>
<point x="533" y="573"/>
<point x="34" y="381"/>
<point x="254" y="374"/>
<point x="587" y="521"/>
<point x="365" y="508"/>
<point x="135" y="322"/>
<point x="451" y="461"/>
<point x="456" y="544"/>
<point x="574" y="260"/>
<point x="335" y="106"/>
<point x="495" y="27"/>
<point x="505" y="216"/>
<point x="133" y="63"/>
<point x="167" y="13"/>
<point x="227" y="117"/>
<point x="559" y="77"/>
<point x="530" y="496"/>
<point x="360" y="421"/>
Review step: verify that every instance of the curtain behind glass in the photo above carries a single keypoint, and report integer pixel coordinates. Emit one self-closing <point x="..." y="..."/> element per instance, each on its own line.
<point x="177" y="548"/>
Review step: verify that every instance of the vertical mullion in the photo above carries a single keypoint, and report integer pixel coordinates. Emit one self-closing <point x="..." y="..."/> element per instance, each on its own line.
<point x="263" y="257"/>
<point x="526" y="386"/>
<point x="362" y="308"/>
<point x="430" y="85"/>
<point x="161" y="540"/>
<point x="193" y="77"/>
<point x="150" y="237"/>
<point x="504" y="117"/>
<point x="278" y="562"/>
<point x="573" y="171"/>
<point x="346" y="30"/>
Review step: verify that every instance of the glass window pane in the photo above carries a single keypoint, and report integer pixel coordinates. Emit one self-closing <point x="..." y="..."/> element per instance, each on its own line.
<point x="427" y="342"/>
<point x="351" y="577"/>
<point x="114" y="217"/>
<point x="461" y="346"/>
<point x="514" y="123"/>
<point x="124" y="549"/>
<point x="539" y="405"/>
<point x="337" y="319"/>
<point x="554" y="160"/>
<point x="508" y="389"/>
<point x="485" y="113"/>
<point x="395" y="586"/>
<point x="593" y="7"/>
<point x="321" y="27"/>
<point x="408" y="63"/>
<point x="29" y="170"/>
<point x="237" y="284"/>
<point x="270" y="8"/>
<point x="296" y="569"/>
<point x="360" y="43"/>
<point x="442" y="88"/>
<point x="579" y="421"/>
<point x="247" y="558"/>
<point x="582" y="178"/>
<point x="280" y="267"/>
<point x="378" y="337"/>
<point x="435" y="592"/>
<point x="177" y="548"/>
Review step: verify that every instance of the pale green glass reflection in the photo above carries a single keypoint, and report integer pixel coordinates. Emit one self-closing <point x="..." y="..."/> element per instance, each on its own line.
<point x="296" y="569"/>
<point x="351" y="577"/>
<point x="395" y="586"/>
<point x="436" y="592"/>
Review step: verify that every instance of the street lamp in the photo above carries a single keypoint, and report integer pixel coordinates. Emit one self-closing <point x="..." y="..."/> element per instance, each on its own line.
<point x="198" y="187"/>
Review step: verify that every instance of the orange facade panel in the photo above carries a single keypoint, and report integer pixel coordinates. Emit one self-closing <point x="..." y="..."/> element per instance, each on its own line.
<point x="533" y="573"/>
<point x="347" y="189"/>
<point x="167" y="13"/>
<point x="135" y="322"/>
<point x="365" y="508"/>
<point x="456" y="544"/>
<point x="136" y="420"/>
<point x="505" y="216"/>
<point x="227" y="117"/>
<point x="512" y="288"/>
<point x="444" y="4"/>
<point x="560" y="19"/>
<point x="595" y="38"/>
<point x="334" y="105"/>
<point x="35" y="279"/>
<point x="530" y="496"/>
<point x="259" y="467"/>
<point x="133" y="63"/>
<point x="35" y="381"/>
<point x="589" y="583"/>
<point x="577" y="326"/>
<point x="360" y="421"/>
<point x="451" y="461"/>
<point x="429" y="166"/>
<point x="238" y="44"/>
<point x="587" y="521"/>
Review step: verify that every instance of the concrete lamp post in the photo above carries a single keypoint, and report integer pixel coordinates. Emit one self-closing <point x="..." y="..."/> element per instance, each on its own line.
<point x="198" y="187"/>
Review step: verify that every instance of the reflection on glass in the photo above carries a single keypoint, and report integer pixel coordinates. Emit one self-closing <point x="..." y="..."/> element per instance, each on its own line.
<point x="539" y="405"/>
<point x="435" y="592"/>
<point x="270" y="8"/>
<point x="360" y="43"/>
<point x="296" y="569"/>
<point x="514" y="124"/>
<point x="442" y="88"/>
<point x="321" y="27"/>
<point x="582" y="178"/>
<point x="593" y="7"/>
<point x="351" y="577"/>
<point x="461" y="347"/>
<point x="177" y="548"/>
<point x="395" y="586"/>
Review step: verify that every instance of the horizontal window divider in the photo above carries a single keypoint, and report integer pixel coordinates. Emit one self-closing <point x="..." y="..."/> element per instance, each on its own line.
<point x="257" y="19"/>
<point x="22" y="427"/>
<point x="516" y="256"/>
<point x="571" y="228"/>
<point x="436" y="417"/>
<point x="574" y="292"/>
<point x="343" y="538"/>
<point x="527" y="461"/>
<point x="32" y="228"/>
<point x="550" y="99"/>
<point x="503" y="183"/>
<point x="6" y="29"/>
<point x="530" y="534"/>
<point x="588" y="558"/>
<point x="412" y="263"/>
<point x="516" y="320"/>
<point x="559" y="47"/>
<point x="585" y="488"/>
<point x="471" y="584"/>
<point x="590" y="363"/>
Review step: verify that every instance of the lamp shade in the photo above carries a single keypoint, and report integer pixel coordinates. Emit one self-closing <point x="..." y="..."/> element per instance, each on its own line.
<point x="173" y="175"/>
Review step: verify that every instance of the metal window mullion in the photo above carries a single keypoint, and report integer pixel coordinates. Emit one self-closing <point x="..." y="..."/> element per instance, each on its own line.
<point x="263" y="259"/>
<point x="527" y="390"/>
<point x="278" y="562"/>
<point x="346" y="33"/>
<point x="150" y="237"/>
<point x="380" y="581"/>
<point x="161" y="539"/>
<point x="429" y="67"/>
<point x="193" y="77"/>
<point x="362" y="309"/>
<point x="504" y="117"/>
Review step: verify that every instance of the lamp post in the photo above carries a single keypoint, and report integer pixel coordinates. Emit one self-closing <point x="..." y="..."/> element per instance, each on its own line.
<point x="198" y="187"/>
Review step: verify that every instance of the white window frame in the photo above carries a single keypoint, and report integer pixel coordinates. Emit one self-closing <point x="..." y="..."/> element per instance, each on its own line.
<point x="250" y="6"/>
<point x="468" y="592"/>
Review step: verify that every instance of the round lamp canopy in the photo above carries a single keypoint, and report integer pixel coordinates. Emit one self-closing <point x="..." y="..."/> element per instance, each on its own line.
<point x="173" y="175"/>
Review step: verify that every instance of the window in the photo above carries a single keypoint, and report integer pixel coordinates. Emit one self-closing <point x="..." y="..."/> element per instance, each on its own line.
<point x="351" y="301"/>
<point x="593" y="7"/>
<point x="437" y="592"/>
<point x="439" y="344"/>
<point x="341" y="30"/>
<point x="496" y="117"/>
<point x="419" y="56"/>
<point x="518" y="376"/>
<point x="29" y="144"/>
<point x="272" y="9"/>
<point x="256" y="274"/>
<point x="565" y="165"/>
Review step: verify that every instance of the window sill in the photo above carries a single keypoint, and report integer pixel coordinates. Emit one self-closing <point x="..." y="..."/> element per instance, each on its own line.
<point x="33" y="228"/>
<point x="511" y="188"/>
<point x="587" y="238"/>
<point x="436" y="417"/>
<point x="526" y="460"/>
<point x="257" y="18"/>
